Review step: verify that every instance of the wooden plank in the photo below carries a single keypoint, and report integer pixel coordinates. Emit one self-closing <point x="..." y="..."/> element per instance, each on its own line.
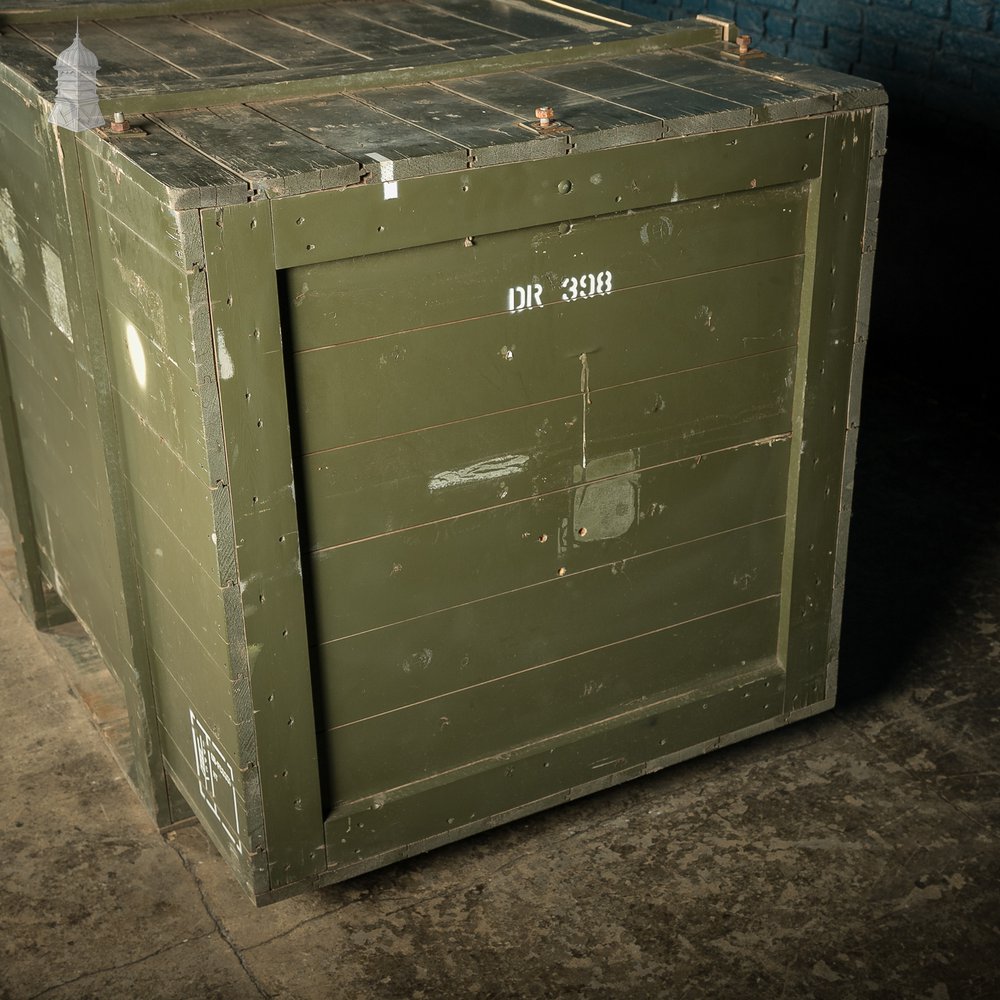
<point x="596" y="122"/>
<point x="491" y="136"/>
<point x="683" y="111"/>
<point x="771" y="100"/>
<point x="277" y="42"/>
<point x="273" y="652"/>
<point x="362" y="220"/>
<point x="351" y="300"/>
<point x="149" y="291"/>
<point x="110" y="531"/>
<point x="149" y="179"/>
<point x="848" y="91"/>
<point x="515" y="18"/>
<point x="199" y="54"/>
<point x="386" y="827"/>
<point x="268" y="155"/>
<point x="436" y="25"/>
<point x="608" y="518"/>
<point x="152" y="390"/>
<point x="821" y="413"/>
<point x="385" y="485"/>
<point x="414" y="65"/>
<point x="338" y="25"/>
<point x="650" y="592"/>
<point x="389" y="148"/>
<point x="638" y="425"/>
<point x="39" y="343"/>
<point x="122" y="62"/>
<point x="397" y="384"/>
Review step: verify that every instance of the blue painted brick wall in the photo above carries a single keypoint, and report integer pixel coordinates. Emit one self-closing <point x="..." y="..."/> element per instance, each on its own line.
<point x="939" y="59"/>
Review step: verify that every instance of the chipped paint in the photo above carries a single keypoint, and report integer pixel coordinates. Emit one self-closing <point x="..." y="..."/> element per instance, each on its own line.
<point x="490" y="468"/>
<point x="225" y="359"/>
<point x="55" y="290"/>
<point x="9" y="242"/>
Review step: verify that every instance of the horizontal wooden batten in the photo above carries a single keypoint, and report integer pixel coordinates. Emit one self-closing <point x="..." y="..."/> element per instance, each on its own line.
<point x="340" y="302"/>
<point x="367" y="219"/>
<point x="407" y="574"/>
<point x="368" y="833"/>
<point x="510" y="633"/>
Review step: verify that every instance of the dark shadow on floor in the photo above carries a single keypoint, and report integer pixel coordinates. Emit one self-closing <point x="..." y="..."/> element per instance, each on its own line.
<point x="926" y="493"/>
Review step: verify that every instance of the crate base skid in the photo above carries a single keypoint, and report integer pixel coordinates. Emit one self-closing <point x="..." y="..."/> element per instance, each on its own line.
<point x="432" y="416"/>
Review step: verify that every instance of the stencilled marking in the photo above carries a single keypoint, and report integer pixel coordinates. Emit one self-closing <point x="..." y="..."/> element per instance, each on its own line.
<point x="216" y="780"/>
<point x="575" y="288"/>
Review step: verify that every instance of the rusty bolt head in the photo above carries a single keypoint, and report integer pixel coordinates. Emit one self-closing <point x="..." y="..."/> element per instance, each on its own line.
<point x="119" y="123"/>
<point x="545" y="116"/>
<point x="743" y="41"/>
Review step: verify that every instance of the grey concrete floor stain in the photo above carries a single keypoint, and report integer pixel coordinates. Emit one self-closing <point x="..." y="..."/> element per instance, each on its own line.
<point x="854" y="855"/>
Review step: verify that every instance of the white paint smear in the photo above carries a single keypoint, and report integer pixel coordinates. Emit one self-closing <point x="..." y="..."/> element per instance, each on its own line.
<point x="55" y="290"/>
<point x="226" y="369"/>
<point x="490" y="468"/>
<point x="9" y="242"/>
<point x="387" y="173"/>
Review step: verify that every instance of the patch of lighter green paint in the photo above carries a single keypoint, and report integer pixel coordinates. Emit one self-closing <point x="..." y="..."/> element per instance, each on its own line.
<point x="606" y="505"/>
<point x="55" y="289"/>
<point x="9" y="242"/>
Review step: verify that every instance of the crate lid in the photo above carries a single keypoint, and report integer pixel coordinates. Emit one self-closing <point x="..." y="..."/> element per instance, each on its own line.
<point x="282" y="99"/>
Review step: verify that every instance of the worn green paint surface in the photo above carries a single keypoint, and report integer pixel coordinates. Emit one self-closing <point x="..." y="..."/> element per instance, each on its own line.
<point x="414" y="469"/>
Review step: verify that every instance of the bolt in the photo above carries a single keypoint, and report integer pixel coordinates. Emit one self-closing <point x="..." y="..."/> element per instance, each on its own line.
<point x="119" y="123"/>
<point x="743" y="41"/>
<point x="545" y="117"/>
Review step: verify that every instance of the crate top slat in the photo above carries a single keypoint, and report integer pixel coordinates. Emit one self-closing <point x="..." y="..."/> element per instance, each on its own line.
<point x="236" y="102"/>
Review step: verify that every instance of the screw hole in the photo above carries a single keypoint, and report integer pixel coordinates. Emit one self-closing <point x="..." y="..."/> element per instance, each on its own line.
<point x="310" y="246"/>
<point x="253" y="223"/>
<point x="380" y="229"/>
<point x="581" y="532"/>
<point x="299" y="221"/>
<point x="543" y="538"/>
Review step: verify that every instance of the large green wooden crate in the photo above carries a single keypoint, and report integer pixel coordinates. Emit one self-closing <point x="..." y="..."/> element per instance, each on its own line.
<point x="416" y="465"/>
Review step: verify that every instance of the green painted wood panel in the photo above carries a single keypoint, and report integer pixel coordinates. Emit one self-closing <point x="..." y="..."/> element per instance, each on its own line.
<point x="480" y="555"/>
<point x="349" y="300"/>
<point x="403" y="575"/>
<point x="436" y="812"/>
<point x="362" y="220"/>
<point x="397" y="384"/>
<point x="821" y="416"/>
<point x="386" y="485"/>
<point x="651" y="591"/>
<point x="280" y="754"/>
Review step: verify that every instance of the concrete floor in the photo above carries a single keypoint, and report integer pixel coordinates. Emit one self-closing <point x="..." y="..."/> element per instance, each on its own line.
<point x="853" y="855"/>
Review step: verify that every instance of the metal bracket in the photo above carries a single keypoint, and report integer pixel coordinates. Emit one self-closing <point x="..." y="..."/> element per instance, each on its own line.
<point x="728" y="27"/>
